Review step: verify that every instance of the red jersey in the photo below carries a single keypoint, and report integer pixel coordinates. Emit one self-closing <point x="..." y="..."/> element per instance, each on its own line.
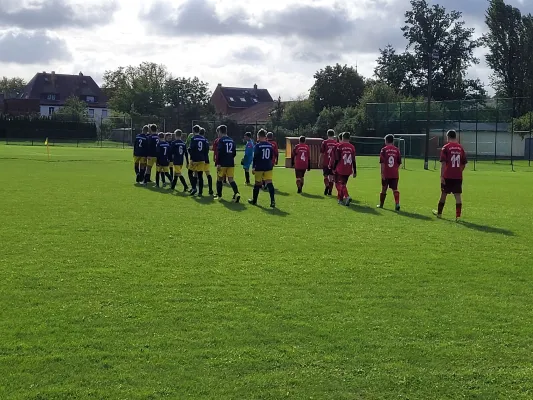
<point x="301" y="156"/>
<point x="215" y="150"/>
<point x="391" y="159"/>
<point x="327" y="149"/>
<point x="454" y="157"/>
<point x="276" y="151"/>
<point x="345" y="159"/>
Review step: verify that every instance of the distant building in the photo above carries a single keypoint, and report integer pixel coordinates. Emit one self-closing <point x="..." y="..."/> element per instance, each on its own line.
<point x="232" y="101"/>
<point x="52" y="90"/>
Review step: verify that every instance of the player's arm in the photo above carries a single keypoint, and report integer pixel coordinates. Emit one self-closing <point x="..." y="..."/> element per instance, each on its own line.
<point x="257" y="156"/>
<point x="321" y="156"/>
<point x="354" y="166"/>
<point x="234" y="150"/>
<point x="309" y="160"/>
<point x="219" y="149"/>
<point x="464" y="161"/>
<point x="187" y="157"/>
<point x="382" y="163"/>
<point x="293" y="155"/>
<point x="276" y="153"/>
<point x="443" y="160"/>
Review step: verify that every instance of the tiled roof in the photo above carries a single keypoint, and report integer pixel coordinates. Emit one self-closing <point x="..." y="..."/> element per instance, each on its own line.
<point x="245" y="97"/>
<point x="64" y="86"/>
<point x="257" y="113"/>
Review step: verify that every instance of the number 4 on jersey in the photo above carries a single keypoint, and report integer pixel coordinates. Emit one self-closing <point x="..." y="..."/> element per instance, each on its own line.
<point x="347" y="159"/>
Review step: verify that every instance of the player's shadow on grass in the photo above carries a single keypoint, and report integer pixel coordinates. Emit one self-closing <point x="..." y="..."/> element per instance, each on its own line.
<point x="312" y="196"/>
<point x="364" y="209"/>
<point x="230" y="205"/>
<point x="203" y="200"/>
<point x="410" y="215"/>
<point x="486" y="228"/>
<point x="280" y="193"/>
<point x="162" y="190"/>
<point x="274" y="211"/>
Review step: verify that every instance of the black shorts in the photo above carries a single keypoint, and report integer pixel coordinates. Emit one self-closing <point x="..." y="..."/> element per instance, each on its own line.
<point x="454" y="186"/>
<point x="327" y="171"/>
<point x="300" y="173"/>
<point x="390" y="183"/>
<point x="343" y="179"/>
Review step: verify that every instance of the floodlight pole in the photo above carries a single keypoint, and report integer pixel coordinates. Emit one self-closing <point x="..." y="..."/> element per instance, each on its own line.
<point x="434" y="54"/>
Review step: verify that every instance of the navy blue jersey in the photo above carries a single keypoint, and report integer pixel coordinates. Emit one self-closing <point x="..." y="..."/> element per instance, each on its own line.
<point x="263" y="156"/>
<point x="226" y="152"/>
<point x="153" y="142"/>
<point x="140" y="146"/>
<point x="199" y="149"/>
<point x="163" y="154"/>
<point x="178" y="151"/>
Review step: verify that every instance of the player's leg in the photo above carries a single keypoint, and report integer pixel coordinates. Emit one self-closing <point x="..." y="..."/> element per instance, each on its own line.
<point x="137" y="168"/>
<point x="171" y="171"/>
<point x="458" y="191"/>
<point x="396" y="193"/>
<point x="257" y="187"/>
<point x="157" y="176"/>
<point x="346" y="195"/>
<point x="270" y="187"/>
<point x="325" y="173"/>
<point x="331" y="183"/>
<point x="383" y="193"/>
<point x="220" y="182"/>
<point x="168" y="175"/>
<point x="142" y="169"/>
<point x="200" y="177"/>
<point x="298" y="180"/>
<point x="177" y="170"/>
<point x="442" y="200"/>
<point x="247" y="174"/>
<point x="190" y="174"/>
<point x="209" y="179"/>
<point x="303" y="178"/>
<point x="230" y="173"/>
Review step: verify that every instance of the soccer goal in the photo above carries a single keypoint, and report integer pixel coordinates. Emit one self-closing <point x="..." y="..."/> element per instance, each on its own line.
<point x="371" y="146"/>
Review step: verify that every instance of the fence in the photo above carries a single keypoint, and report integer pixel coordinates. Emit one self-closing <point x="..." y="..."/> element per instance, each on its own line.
<point x="490" y="129"/>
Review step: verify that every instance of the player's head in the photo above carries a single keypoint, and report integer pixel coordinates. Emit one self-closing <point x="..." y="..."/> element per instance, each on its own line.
<point x="452" y="136"/>
<point x="202" y="132"/>
<point x="178" y="133"/>
<point x="270" y="136"/>
<point x="339" y="138"/>
<point x="261" y="135"/>
<point x="331" y="133"/>
<point x="173" y="136"/>
<point x="389" y="139"/>
<point x="161" y="135"/>
<point x="168" y="136"/>
<point x="248" y="136"/>
<point x="153" y="128"/>
<point x="196" y="129"/>
<point x="145" y="129"/>
<point x="302" y="139"/>
<point x="346" y="137"/>
<point x="222" y="130"/>
<point x="191" y="135"/>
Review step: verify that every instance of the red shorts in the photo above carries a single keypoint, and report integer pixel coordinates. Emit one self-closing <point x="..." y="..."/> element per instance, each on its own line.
<point x="343" y="179"/>
<point x="390" y="183"/>
<point x="326" y="171"/>
<point x="454" y="186"/>
<point x="300" y="173"/>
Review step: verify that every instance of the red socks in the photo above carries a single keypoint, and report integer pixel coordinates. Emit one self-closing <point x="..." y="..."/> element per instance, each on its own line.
<point x="458" y="209"/>
<point x="382" y="197"/>
<point x="396" y="197"/>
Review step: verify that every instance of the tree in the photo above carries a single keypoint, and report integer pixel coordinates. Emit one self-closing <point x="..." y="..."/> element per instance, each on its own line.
<point x="428" y="29"/>
<point x="510" y="44"/>
<point x="73" y="110"/>
<point x="189" y="97"/>
<point x="336" y="86"/>
<point x="277" y="113"/>
<point x="298" y="114"/>
<point x="137" y="89"/>
<point x="328" y="119"/>
<point x="12" y="87"/>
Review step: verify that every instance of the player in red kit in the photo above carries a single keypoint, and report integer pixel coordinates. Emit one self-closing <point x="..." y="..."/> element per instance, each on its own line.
<point x="301" y="161"/>
<point x="327" y="152"/>
<point x="453" y="162"/>
<point x="344" y="165"/>
<point x="390" y="160"/>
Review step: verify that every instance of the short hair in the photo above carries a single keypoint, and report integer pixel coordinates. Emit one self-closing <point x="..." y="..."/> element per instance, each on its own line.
<point x="452" y="134"/>
<point x="145" y="129"/>
<point x="223" y="129"/>
<point x="262" y="133"/>
<point x="302" y="139"/>
<point x="270" y="135"/>
<point x="153" y="128"/>
<point x="196" y="129"/>
<point x="331" y="133"/>
<point x="389" y="139"/>
<point x="202" y="131"/>
<point x="346" y="136"/>
<point x="161" y="135"/>
<point x="178" y="133"/>
<point x="248" y="134"/>
<point x="339" y="138"/>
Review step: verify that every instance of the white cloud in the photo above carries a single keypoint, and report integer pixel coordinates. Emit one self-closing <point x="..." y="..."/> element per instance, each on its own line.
<point x="278" y="44"/>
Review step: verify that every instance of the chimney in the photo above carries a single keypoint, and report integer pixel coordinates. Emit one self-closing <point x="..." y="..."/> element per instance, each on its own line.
<point x="255" y="86"/>
<point x="53" y="75"/>
<point x="80" y="74"/>
<point x="219" y="85"/>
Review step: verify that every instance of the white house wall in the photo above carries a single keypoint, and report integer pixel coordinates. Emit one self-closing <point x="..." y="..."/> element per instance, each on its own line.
<point x="99" y="113"/>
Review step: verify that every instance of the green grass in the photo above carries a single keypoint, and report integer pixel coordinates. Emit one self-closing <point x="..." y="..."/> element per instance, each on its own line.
<point x="112" y="291"/>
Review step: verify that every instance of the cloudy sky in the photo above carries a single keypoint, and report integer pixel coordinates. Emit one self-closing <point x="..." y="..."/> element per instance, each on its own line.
<point x="277" y="44"/>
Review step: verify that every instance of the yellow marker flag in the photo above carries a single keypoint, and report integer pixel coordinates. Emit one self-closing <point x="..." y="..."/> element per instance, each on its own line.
<point x="47" y="148"/>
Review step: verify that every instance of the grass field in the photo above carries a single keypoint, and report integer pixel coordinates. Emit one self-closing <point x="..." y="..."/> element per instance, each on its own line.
<point x="112" y="291"/>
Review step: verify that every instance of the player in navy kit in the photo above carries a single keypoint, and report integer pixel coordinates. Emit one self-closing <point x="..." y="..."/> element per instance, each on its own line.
<point x="140" y="152"/>
<point x="163" y="161"/>
<point x="153" y="141"/>
<point x="262" y="166"/>
<point x="199" y="152"/>
<point x="225" y="163"/>
<point x="178" y="151"/>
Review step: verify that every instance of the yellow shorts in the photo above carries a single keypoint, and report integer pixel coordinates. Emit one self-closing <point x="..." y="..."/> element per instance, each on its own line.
<point x="150" y="161"/>
<point x="163" y="169"/>
<point x="171" y="164"/>
<point x="197" y="166"/>
<point x="226" y="171"/>
<point x="177" y="169"/>
<point x="261" y="176"/>
<point x="139" y="160"/>
<point x="207" y="167"/>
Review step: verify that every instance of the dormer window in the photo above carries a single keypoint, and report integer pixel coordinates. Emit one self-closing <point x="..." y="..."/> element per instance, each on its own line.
<point x="51" y="97"/>
<point x="231" y="99"/>
<point x="90" y="99"/>
<point x="243" y="99"/>
<point x="254" y="100"/>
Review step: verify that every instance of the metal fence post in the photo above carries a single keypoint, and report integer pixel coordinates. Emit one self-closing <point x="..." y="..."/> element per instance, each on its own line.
<point x="512" y="135"/>
<point x="477" y="119"/>
<point x="496" y="128"/>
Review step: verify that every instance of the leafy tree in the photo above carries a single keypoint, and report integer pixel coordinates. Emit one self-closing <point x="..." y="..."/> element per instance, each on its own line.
<point x="510" y="43"/>
<point x="73" y="110"/>
<point x="328" y="118"/>
<point x="298" y="114"/>
<point x="12" y="87"/>
<point x="427" y="29"/>
<point x="277" y="114"/>
<point x="336" y="86"/>
<point x="137" y="89"/>
<point x="189" y="97"/>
